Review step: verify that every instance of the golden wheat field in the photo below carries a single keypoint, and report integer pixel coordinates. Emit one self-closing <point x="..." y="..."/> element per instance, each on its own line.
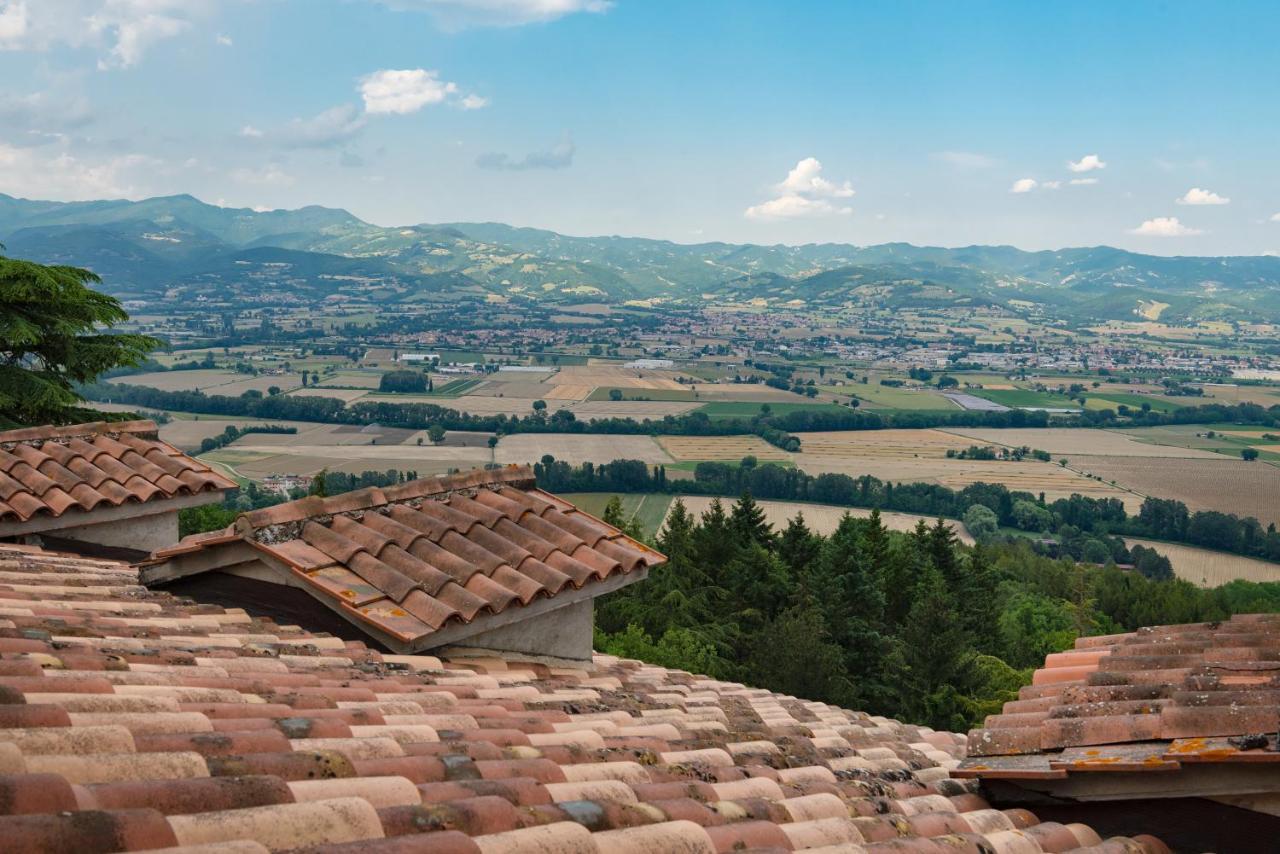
<point x="1067" y="440"/>
<point x="1208" y="568"/>
<point x="720" y="448"/>
<point x="578" y="448"/>
<point x="823" y="518"/>
<point x="1222" y="484"/>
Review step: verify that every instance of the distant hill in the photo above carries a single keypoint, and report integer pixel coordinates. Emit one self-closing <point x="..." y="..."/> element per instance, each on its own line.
<point x="180" y="246"/>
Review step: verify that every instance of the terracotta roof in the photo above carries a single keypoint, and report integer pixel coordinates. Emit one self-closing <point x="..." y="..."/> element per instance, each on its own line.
<point x="49" y="471"/>
<point x="1150" y="700"/>
<point x="131" y="719"/>
<point x="421" y="556"/>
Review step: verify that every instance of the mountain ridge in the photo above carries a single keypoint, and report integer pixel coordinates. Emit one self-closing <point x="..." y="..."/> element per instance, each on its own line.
<point x="148" y="247"/>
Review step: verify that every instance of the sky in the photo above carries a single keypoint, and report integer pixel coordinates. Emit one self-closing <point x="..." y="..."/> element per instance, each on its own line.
<point x="1153" y="126"/>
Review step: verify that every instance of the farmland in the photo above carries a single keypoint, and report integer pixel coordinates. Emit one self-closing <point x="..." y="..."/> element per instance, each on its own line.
<point x="823" y="518"/>
<point x="578" y="448"/>
<point x="1070" y="440"/>
<point x="1207" y="568"/>
<point x="648" y="510"/>
<point x="1226" y="485"/>
<point x="720" y="448"/>
<point x="749" y="409"/>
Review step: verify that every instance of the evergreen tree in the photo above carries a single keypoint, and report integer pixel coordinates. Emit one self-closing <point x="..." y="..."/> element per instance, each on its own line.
<point x="748" y="522"/>
<point x="53" y="336"/>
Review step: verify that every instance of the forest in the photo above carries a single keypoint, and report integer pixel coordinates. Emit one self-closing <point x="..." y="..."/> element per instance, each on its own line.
<point x="913" y="626"/>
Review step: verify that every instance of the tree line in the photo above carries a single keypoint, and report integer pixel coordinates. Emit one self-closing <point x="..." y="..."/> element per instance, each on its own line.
<point x="1085" y="528"/>
<point x="915" y="626"/>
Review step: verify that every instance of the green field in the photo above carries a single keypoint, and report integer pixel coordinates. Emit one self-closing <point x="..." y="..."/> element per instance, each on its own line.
<point x="749" y="409"/>
<point x="649" y="510"/>
<point x="1017" y="397"/>
<point x="602" y="393"/>
<point x="886" y="397"/>
<point x="1133" y="401"/>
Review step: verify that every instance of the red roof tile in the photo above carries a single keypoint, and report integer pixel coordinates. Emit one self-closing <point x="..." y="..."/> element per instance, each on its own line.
<point x="413" y="559"/>
<point x="1148" y="700"/>
<point x="48" y="471"/>
<point x="234" y="733"/>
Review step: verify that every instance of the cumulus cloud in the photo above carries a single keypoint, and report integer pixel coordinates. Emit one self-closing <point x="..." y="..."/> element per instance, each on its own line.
<point x="1275" y="217"/>
<point x="804" y="193"/>
<point x="123" y="30"/>
<point x="1082" y="182"/>
<point x="404" y="91"/>
<point x="224" y="40"/>
<point x="559" y="156"/>
<point x="1024" y="185"/>
<point x="1165" y="226"/>
<point x="42" y="174"/>
<point x="1197" y="196"/>
<point x="461" y="14"/>
<point x="1088" y="163"/>
<point x="965" y="159"/>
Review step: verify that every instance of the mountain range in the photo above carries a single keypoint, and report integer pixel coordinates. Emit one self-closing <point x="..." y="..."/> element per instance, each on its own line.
<point x="179" y="248"/>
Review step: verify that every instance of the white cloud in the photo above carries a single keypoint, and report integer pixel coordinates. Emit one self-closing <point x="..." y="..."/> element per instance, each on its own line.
<point x="804" y="193"/>
<point x="1197" y="196"/>
<point x="965" y="159"/>
<point x="40" y="174"/>
<point x="1086" y="164"/>
<point x="404" y="91"/>
<point x="223" y="40"/>
<point x="1165" y="226"/>
<point x="460" y="14"/>
<point x="1082" y="182"/>
<point x="13" y="24"/>
<point x="559" y="156"/>
<point x="473" y="102"/>
<point x="264" y="176"/>
<point x="1275" y="217"/>
<point x="1050" y="185"/>
<point x="123" y="29"/>
<point x="1024" y="185"/>
<point x="332" y="127"/>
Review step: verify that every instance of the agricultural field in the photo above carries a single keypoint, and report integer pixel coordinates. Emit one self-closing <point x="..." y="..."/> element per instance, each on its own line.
<point x="1207" y="568"/>
<point x="603" y="393"/>
<point x="1222" y="484"/>
<point x="211" y="381"/>
<point x="909" y="456"/>
<point x="576" y="448"/>
<point x="358" y="379"/>
<point x="1026" y="398"/>
<point x="750" y="409"/>
<point x="823" y="518"/>
<point x="1113" y="400"/>
<point x="721" y="448"/>
<point x="647" y="509"/>
<point x="886" y="397"/>
<point x="346" y="395"/>
<point x="1072" y="440"/>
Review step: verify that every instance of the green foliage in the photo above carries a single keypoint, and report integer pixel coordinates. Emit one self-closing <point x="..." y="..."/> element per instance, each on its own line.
<point x="914" y="626"/>
<point x="981" y="521"/>
<point x="403" y="382"/>
<point x="53" y="338"/>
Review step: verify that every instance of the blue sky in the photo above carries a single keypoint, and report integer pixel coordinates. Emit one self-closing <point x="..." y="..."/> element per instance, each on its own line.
<point x="1152" y="126"/>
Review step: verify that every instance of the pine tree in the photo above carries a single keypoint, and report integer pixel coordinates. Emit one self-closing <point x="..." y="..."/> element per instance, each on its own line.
<point x="748" y="521"/>
<point x="798" y="547"/>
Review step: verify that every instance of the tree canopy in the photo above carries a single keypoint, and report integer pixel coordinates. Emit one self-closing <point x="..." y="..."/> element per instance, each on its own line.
<point x="53" y="336"/>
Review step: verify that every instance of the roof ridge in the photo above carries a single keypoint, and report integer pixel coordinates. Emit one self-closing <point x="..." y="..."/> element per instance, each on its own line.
<point x="373" y="496"/>
<point x="89" y="429"/>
